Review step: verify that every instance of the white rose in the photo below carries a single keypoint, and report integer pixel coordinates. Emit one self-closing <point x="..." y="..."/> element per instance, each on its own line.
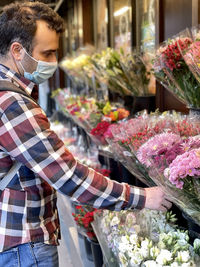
<point x="164" y="257"/>
<point x="182" y="235"/>
<point x="182" y="242"/>
<point x="124" y="239"/>
<point x="144" y="244"/>
<point x="144" y="252"/>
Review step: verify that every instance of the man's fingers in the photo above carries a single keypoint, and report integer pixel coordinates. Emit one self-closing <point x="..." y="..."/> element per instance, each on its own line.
<point x="156" y="199"/>
<point x="166" y="204"/>
<point x="168" y="198"/>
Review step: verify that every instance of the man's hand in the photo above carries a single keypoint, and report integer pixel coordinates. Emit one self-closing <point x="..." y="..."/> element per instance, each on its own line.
<point x="156" y="200"/>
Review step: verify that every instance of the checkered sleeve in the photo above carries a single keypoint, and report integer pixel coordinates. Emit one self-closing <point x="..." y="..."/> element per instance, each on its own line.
<point x="27" y="137"/>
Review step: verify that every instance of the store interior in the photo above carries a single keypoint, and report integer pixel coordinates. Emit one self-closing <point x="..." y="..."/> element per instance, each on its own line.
<point x="125" y="100"/>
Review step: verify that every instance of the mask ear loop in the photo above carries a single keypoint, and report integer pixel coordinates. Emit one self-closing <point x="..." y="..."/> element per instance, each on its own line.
<point x="30" y="55"/>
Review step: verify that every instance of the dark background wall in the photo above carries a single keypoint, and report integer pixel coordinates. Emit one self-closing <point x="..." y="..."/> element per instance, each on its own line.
<point x="177" y="16"/>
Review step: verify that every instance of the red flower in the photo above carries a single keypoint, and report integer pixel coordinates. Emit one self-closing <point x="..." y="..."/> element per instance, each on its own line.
<point x="100" y="129"/>
<point x="83" y="218"/>
<point x="91" y="235"/>
<point x="78" y="207"/>
<point x="172" y="56"/>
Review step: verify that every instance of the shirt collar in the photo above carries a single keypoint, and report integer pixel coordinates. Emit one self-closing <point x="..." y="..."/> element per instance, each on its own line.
<point x="17" y="79"/>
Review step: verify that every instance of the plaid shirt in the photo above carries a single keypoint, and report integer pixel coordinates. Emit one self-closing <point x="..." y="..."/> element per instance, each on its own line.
<point x="28" y="209"/>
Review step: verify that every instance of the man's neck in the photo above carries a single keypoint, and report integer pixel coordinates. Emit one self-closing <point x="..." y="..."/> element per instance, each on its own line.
<point x="9" y="64"/>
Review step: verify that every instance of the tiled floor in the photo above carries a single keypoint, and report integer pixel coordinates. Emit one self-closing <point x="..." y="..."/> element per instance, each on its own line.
<point x="71" y="250"/>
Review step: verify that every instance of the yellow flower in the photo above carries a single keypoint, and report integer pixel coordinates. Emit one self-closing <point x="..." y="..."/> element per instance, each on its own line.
<point x="107" y="108"/>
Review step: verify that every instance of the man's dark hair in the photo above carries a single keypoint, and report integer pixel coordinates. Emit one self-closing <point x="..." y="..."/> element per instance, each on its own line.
<point x="18" y="23"/>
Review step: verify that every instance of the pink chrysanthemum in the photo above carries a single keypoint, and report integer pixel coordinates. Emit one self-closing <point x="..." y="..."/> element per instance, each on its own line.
<point x="154" y="151"/>
<point x="187" y="164"/>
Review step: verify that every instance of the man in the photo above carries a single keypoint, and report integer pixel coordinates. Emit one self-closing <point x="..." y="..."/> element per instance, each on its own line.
<point x="29" y="226"/>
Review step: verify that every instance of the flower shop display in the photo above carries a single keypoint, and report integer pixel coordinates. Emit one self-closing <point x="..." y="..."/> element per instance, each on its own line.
<point x="127" y="137"/>
<point x="94" y="117"/>
<point x="123" y="73"/>
<point x="74" y="65"/>
<point x="146" y="238"/>
<point x="171" y="70"/>
<point x="110" y="115"/>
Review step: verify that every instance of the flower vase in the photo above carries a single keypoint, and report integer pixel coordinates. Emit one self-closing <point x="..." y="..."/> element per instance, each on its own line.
<point x="88" y="249"/>
<point x="97" y="254"/>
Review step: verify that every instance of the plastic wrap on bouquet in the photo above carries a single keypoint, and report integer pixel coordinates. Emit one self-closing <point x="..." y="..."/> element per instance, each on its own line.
<point x="123" y="154"/>
<point x="144" y="238"/>
<point x="130" y="162"/>
<point x="99" y="140"/>
<point x="187" y="199"/>
<point x="172" y="71"/>
<point x="83" y="216"/>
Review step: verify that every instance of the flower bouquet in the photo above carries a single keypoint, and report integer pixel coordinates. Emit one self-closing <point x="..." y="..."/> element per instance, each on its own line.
<point x="172" y="71"/>
<point x="127" y="137"/>
<point x="173" y="163"/>
<point x="123" y="73"/>
<point x="146" y="238"/>
<point x="83" y="217"/>
<point x="122" y="151"/>
<point x="191" y="56"/>
<point x="110" y="115"/>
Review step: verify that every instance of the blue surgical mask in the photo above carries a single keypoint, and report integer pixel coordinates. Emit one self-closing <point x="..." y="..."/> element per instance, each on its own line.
<point x="39" y="71"/>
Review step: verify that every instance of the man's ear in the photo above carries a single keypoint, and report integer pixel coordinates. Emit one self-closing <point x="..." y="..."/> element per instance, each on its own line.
<point x="16" y="51"/>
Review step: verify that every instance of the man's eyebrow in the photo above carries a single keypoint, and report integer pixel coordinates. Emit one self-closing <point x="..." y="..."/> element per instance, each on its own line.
<point x="50" y="51"/>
